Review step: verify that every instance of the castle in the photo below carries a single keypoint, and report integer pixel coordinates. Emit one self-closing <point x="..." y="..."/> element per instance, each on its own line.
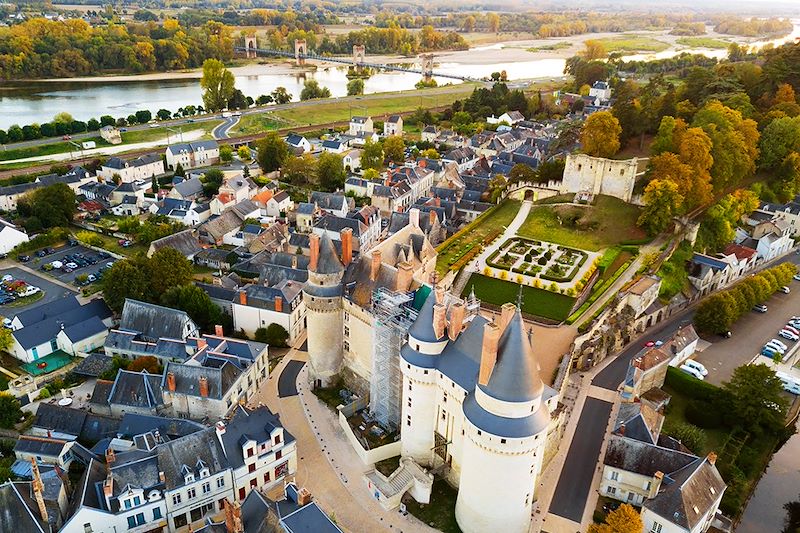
<point x="597" y="175"/>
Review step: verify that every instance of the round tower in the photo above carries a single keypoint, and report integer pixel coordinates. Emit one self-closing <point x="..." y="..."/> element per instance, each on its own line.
<point x="322" y="295"/>
<point x="505" y="424"/>
<point x="427" y="338"/>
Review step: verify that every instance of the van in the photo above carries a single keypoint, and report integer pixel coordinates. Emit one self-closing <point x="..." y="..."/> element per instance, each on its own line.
<point x="692" y="372"/>
<point x="786" y="334"/>
<point x="697" y="366"/>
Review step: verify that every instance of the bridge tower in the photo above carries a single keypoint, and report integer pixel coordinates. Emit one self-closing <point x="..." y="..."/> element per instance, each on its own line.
<point x="359" y="53"/>
<point x="427" y="67"/>
<point x="300" y="50"/>
<point x="250" y="45"/>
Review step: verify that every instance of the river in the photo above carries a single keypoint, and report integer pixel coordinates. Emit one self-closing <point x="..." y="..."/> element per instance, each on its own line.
<point x="779" y="485"/>
<point x="37" y="102"/>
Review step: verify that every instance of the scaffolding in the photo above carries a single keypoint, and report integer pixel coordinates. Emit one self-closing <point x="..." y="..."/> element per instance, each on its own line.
<point x="394" y="314"/>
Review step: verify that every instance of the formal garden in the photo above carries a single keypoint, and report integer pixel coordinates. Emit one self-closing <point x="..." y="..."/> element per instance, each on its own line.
<point x="538" y="259"/>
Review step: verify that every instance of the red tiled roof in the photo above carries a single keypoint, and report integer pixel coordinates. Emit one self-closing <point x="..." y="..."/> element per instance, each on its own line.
<point x="741" y="252"/>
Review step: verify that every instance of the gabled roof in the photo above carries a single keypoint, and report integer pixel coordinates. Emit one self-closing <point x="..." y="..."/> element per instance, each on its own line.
<point x="189" y="187"/>
<point x="184" y="241"/>
<point x="177" y="455"/>
<point x="154" y="321"/>
<point x="59" y="419"/>
<point x="255" y="424"/>
<point x="187" y="378"/>
<point x="643" y="458"/>
<point x="79" y="322"/>
<point x="394" y="119"/>
<point x="20" y="514"/>
<point x="136" y="389"/>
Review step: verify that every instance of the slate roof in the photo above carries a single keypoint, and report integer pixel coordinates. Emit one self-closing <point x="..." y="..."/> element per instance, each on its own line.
<point x="184" y="241"/>
<point x="640" y="422"/>
<point x="294" y="140"/>
<point x="331" y="201"/>
<point x="93" y="365"/>
<point x="190" y="187"/>
<point x="255" y="424"/>
<point x="644" y="458"/>
<point x="202" y="446"/>
<point x="187" y="379"/>
<point x="59" y="419"/>
<point x="328" y="261"/>
<point x="337" y="224"/>
<point x="153" y="321"/>
<point x="19" y="514"/>
<point x="136" y="389"/>
<point x="78" y="322"/>
<point x="306" y="208"/>
<point x="46" y="447"/>
<point x="137" y="424"/>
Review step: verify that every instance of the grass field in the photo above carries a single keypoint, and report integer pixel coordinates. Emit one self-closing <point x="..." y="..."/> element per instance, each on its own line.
<point x="490" y="222"/>
<point x="57" y="147"/>
<point x="632" y="43"/>
<point x="608" y="222"/>
<point x="112" y="244"/>
<point x="538" y="302"/>
<point x="561" y="45"/>
<point x="673" y="272"/>
<point x="703" y="42"/>
<point x="376" y="107"/>
<point x="255" y="124"/>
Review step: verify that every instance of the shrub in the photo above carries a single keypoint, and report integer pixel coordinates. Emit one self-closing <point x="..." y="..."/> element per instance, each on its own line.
<point x="274" y="335"/>
<point x="688" y="386"/>
<point x="90" y="238"/>
<point x="703" y="414"/>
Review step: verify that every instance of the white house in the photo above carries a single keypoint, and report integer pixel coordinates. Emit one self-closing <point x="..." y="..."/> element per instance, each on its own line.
<point x="393" y="126"/>
<point x="141" y="168"/>
<point x="774" y="239"/>
<point x="600" y="90"/>
<point x="10" y="236"/>
<point x="298" y="143"/>
<point x="334" y="146"/>
<point x="351" y="160"/>
<point x="360" y="125"/>
<point x="257" y="306"/>
<point x="192" y="155"/>
<point x="510" y="118"/>
<point x="280" y="202"/>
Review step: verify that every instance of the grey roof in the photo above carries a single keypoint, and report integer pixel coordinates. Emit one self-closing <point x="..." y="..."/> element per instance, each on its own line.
<point x="358" y="119"/>
<point x="184" y="241"/>
<point x="19" y="513"/>
<point x="137" y="424"/>
<point x="328" y="262"/>
<point x="78" y="321"/>
<point x="422" y="328"/>
<point x="46" y="447"/>
<point x="153" y="321"/>
<point x="394" y="118"/>
<point x="189" y="187"/>
<point x="186" y="452"/>
<point x="255" y="424"/>
<point x="333" y="223"/>
<point x="331" y="200"/>
<point x="309" y="519"/>
<point x="140" y="473"/>
<point x="187" y="378"/>
<point x="59" y="419"/>
<point x="643" y="458"/>
<point x="93" y="365"/>
<point x="216" y="292"/>
<point x="136" y="389"/>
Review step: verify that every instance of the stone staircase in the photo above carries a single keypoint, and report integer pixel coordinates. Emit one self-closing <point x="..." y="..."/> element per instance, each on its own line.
<point x="408" y="476"/>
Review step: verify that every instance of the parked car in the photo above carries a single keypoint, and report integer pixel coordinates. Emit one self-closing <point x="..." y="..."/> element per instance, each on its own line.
<point x="692" y="372"/>
<point x="786" y="334"/>
<point x="72" y="242"/>
<point x="785" y="289"/>
<point x="72" y="265"/>
<point x="6" y="278"/>
<point x="769" y="352"/>
<point x="40" y="253"/>
<point x="796" y="277"/>
<point x="760" y="308"/>
<point x="697" y="366"/>
<point x="778" y="343"/>
<point x="24" y="258"/>
<point x="775" y="348"/>
<point x="726" y="334"/>
<point x="792" y="329"/>
<point x="91" y="278"/>
<point x="30" y="290"/>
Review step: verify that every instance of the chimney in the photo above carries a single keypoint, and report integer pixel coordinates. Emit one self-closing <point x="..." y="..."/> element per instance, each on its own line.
<point x="413" y="217"/>
<point x="404" y="276"/>
<point x="303" y="497"/>
<point x="375" y="267"/>
<point x="438" y="201"/>
<point x="294" y="261"/>
<point x="313" y="244"/>
<point x="220" y="427"/>
<point x="203" y="386"/>
<point x="712" y="458"/>
<point x="432" y="217"/>
<point x="491" y="337"/>
<point x="110" y="457"/>
<point x="278" y="304"/>
<point x="622" y="429"/>
<point x="439" y="294"/>
<point x="506" y="314"/>
<point x="162" y="478"/>
<point x="439" y="320"/>
<point x="171" y="381"/>
<point x="347" y="245"/>
<point x="201" y="343"/>
<point x="457" y="311"/>
<point x="38" y="490"/>
<point x="233" y="517"/>
<point x="218" y="331"/>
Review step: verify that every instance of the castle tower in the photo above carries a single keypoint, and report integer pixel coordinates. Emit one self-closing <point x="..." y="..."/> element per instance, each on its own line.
<point x="322" y="295"/>
<point x="505" y="424"/>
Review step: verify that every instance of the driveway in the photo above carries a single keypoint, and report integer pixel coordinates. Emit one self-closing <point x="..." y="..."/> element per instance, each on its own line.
<point x="575" y="481"/>
<point x="287" y="382"/>
<point x="51" y="290"/>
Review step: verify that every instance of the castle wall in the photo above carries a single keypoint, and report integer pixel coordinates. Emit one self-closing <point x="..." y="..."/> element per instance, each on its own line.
<point x="359" y="339"/>
<point x="418" y="413"/>
<point x="599" y="176"/>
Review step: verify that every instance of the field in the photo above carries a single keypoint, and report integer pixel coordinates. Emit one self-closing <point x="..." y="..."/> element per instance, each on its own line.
<point x="538" y="302"/>
<point x="608" y="222"/>
<point x="703" y="42"/>
<point x="632" y="43"/>
<point x="255" y="124"/>
<point x="561" y="45"/>
<point x="490" y="223"/>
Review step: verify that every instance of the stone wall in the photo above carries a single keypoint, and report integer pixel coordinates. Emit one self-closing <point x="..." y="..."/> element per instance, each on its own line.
<point x="599" y="176"/>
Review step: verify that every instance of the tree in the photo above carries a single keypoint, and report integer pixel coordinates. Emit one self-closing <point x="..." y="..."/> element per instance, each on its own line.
<point x="330" y="171"/>
<point x="716" y="314"/>
<point x="689" y="435"/>
<point x="126" y="279"/>
<point x="212" y="180"/>
<point x="10" y="411"/>
<point x="244" y="153"/>
<point x="300" y="171"/>
<point x="264" y="99"/>
<point x="522" y="173"/>
<point x="469" y="24"/>
<point x="372" y="155"/>
<point x="312" y="90"/>
<point x="143" y="116"/>
<point x="6" y="340"/>
<point x="163" y="114"/>
<point x="217" y="84"/>
<point x="493" y="22"/>
<point x="757" y="398"/>
<point x="394" y="149"/>
<point x="145" y="362"/>
<point x="167" y="268"/>
<point x="784" y="94"/>
<point x="593" y="49"/>
<point x="225" y="153"/>
<point x="271" y="152"/>
<point x="197" y="304"/>
<point x="624" y="519"/>
<point x="600" y="134"/>
<point x="497" y="186"/>
<point x="54" y="205"/>
<point x="779" y="138"/>
<point x="355" y="87"/>
<point x="281" y="96"/>
<point x="662" y="202"/>
<point x="274" y="335"/>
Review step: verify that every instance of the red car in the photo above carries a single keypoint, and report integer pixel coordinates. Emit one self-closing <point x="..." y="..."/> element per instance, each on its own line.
<point x="649" y="344"/>
<point x="67" y="137"/>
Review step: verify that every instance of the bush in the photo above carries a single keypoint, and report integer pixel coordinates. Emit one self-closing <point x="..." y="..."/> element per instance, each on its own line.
<point x="53" y="236"/>
<point x="688" y="386"/>
<point x="703" y="414"/>
<point x="89" y="238"/>
<point x="274" y="335"/>
<point x="44" y="394"/>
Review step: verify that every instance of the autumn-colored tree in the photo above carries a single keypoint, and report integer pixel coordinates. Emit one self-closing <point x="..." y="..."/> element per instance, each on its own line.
<point x="624" y="519"/>
<point x="784" y="94"/>
<point x="662" y="201"/>
<point x="493" y="22"/>
<point x="600" y="134"/>
<point x="145" y="362"/>
<point x="217" y="84"/>
<point x="394" y="149"/>
<point x="593" y="49"/>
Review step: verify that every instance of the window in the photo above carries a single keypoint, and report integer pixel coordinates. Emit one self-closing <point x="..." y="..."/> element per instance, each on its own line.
<point x="346" y="345"/>
<point x="614" y="476"/>
<point x="408" y="420"/>
<point x="87" y="527"/>
<point x="206" y="488"/>
<point x="140" y="519"/>
<point x="502" y="441"/>
<point x="191" y="493"/>
<point x="444" y="415"/>
<point x="197" y="514"/>
<point x="176" y="499"/>
<point x="131" y="522"/>
<point x="278" y="454"/>
<point x="253" y="483"/>
<point x="611" y="490"/>
<point x="479" y="432"/>
<point x="277" y="439"/>
<point x="157" y="513"/>
<point x="655" y="528"/>
<point x="251" y="467"/>
<point x="346" y="331"/>
<point x="241" y="493"/>
<point x="127" y="504"/>
<point x="137" y="500"/>
<point x="266" y="477"/>
<point x="220" y="482"/>
<point x="251" y="452"/>
<point x="444" y="398"/>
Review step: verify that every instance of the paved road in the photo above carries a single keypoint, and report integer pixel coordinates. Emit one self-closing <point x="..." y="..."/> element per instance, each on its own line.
<point x="221" y="131"/>
<point x="287" y="382"/>
<point x="575" y="481"/>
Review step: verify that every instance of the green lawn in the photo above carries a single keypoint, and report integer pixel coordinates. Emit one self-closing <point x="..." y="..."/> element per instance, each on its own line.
<point x="551" y="47"/>
<point x="491" y="222"/>
<point x="112" y="244"/>
<point x="154" y="134"/>
<point x="608" y="222"/>
<point x="255" y="124"/>
<point x="57" y="147"/>
<point x="632" y="43"/>
<point x="674" y="277"/>
<point x="538" y="302"/>
<point x="703" y="42"/>
<point x="441" y="512"/>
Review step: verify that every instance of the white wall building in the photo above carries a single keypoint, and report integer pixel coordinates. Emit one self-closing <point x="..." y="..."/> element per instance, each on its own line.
<point x="10" y="236"/>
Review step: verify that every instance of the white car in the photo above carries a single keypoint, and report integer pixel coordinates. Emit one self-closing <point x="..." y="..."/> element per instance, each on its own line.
<point x="73" y="266"/>
<point x="697" y="366"/>
<point x="8" y="277"/>
<point x="791" y="328"/>
<point x="786" y="334"/>
<point x="692" y="372"/>
<point x="775" y="348"/>
<point x="779" y="343"/>
<point x="796" y="277"/>
<point x="58" y="265"/>
<point x="30" y="290"/>
<point x="785" y="289"/>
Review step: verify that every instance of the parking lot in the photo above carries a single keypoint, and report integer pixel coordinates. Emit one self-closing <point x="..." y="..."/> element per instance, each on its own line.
<point x="94" y="262"/>
<point x="749" y="336"/>
<point x="51" y="290"/>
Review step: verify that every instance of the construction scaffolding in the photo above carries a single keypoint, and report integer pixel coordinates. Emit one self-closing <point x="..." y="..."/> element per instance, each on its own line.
<point x="394" y="314"/>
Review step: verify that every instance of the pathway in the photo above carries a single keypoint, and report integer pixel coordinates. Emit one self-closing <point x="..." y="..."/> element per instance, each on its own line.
<point x="510" y="231"/>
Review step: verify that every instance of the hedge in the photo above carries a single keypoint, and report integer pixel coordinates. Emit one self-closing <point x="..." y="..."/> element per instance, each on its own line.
<point x="690" y="387"/>
<point x="53" y="236"/>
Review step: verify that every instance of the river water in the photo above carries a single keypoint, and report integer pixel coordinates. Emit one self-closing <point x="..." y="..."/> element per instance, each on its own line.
<point x="31" y="102"/>
<point x="779" y="485"/>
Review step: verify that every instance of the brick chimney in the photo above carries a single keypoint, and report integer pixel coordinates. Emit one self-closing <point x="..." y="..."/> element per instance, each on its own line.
<point x="491" y="337"/>
<point x="346" y="236"/>
<point x="278" y="304"/>
<point x="294" y="261"/>
<point x="303" y="497"/>
<point x="218" y="331"/>
<point x="621" y="429"/>
<point x="243" y="297"/>
<point x="375" y="267"/>
<point x="432" y="217"/>
<point x="233" y="517"/>
<point x="438" y="293"/>
<point x="110" y="457"/>
<point x="457" y="312"/>
<point x="413" y="217"/>
<point x="439" y="320"/>
<point x="38" y="490"/>
<point x="171" y="381"/>
<point x="506" y="314"/>
<point x="313" y="244"/>
<point x="712" y="458"/>
<point x="405" y="274"/>
<point x="203" y="386"/>
<point x="201" y="343"/>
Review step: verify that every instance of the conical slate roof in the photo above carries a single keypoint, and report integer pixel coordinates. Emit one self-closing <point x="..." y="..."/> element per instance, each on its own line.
<point x="422" y="328"/>
<point x="515" y="377"/>
<point x="328" y="262"/>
